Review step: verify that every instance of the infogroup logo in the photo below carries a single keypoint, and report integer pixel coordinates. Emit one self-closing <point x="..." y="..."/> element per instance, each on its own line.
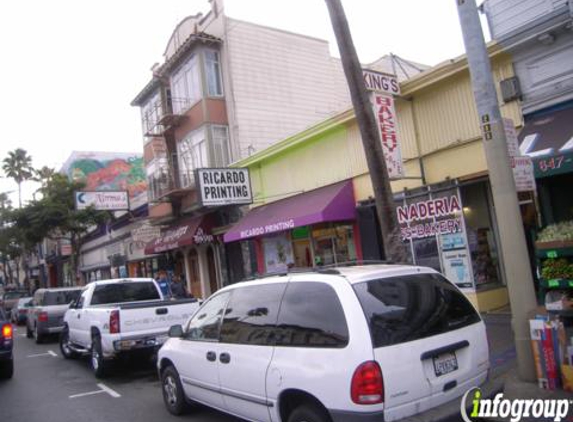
<point x="516" y="409"/>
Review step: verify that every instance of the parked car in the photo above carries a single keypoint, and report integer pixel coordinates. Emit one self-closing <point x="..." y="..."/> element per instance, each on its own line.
<point x="6" y="344"/>
<point x="364" y="343"/>
<point x="115" y="317"/>
<point x="46" y="316"/>
<point x="10" y="299"/>
<point x="19" y="313"/>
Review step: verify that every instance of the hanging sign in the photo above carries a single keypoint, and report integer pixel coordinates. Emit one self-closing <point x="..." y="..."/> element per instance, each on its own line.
<point x="103" y="200"/>
<point x="225" y="186"/>
<point x="381" y="82"/>
<point x="387" y="122"/>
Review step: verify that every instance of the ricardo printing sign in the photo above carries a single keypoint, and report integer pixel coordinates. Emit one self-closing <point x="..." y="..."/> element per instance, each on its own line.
<point x="230" y="186"/>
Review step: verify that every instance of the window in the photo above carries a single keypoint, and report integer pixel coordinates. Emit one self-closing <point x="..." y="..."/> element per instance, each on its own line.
<point x="411" y="307"/>
<point x="61" y="297"/>
<point x="220" y="136"/>
<point x="151" y="113"/>
<point x="213" y="72"/>
<point x="311" y="316"/>
<point x="186" y="86"/>
<point x="81" y="300"/>
<point x="158" y="176"/>
<point x="251" y="315"/>
<point x="192" y="153"/>
<point x="124" y="292"/>
<point x="204" y="326"/>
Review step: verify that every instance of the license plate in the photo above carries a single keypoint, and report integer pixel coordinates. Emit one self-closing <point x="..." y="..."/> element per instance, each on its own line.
<point x="445" y="363"/>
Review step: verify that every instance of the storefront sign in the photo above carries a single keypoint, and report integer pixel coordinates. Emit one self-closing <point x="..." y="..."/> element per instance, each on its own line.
<point x="381" y="82"/>
<point x="553" y="165"/>
<point x="457" y="267"/>
<point x="385" y="113"/>
<point x="418" y="220"/>
<point x="511" y="138"/>
<point x="228" y="186"/>
<point x="103" y="201"/>
<point x="145" y="233"/>
<point x="201" y="237"/>
<point x="269" y="228"/>
<point x="523" y="174"/>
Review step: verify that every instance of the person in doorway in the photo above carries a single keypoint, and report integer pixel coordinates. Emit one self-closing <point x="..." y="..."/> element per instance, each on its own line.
<point x="178" y="288"/>
<point x="163" y="282"/>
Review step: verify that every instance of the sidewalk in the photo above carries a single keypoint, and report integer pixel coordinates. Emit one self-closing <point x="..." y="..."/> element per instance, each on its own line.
<point x="504" y="366"/>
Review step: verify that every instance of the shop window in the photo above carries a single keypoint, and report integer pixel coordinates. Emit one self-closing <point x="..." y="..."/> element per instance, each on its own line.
<point x="481" y="234"/>
<point x="278" y="253"/>
<point x="333" y="244"/>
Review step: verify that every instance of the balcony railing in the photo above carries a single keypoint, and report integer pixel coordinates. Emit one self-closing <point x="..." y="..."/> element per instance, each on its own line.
<point x="164" y="115"/>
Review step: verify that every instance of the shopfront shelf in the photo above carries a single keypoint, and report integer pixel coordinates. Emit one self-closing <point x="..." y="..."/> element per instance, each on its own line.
<point x="557" y="283"/>
<point x="564" y="250"/>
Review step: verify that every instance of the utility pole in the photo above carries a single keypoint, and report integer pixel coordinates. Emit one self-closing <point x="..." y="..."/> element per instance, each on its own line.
<point x="394" y="248"/>
<point x="511" y="233"/>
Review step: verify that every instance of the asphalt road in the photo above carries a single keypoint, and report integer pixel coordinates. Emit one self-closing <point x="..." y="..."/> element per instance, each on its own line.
<point x="48" y="388"/>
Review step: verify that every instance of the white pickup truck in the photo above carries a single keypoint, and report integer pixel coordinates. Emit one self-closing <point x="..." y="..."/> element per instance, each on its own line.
<point x="114" y="317"/>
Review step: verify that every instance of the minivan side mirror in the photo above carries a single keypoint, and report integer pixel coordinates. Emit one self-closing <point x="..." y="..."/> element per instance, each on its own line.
<point x="175" y="331"/>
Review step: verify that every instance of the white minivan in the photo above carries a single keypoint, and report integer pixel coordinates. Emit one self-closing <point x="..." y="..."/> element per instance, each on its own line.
<point x="362" y="343"/>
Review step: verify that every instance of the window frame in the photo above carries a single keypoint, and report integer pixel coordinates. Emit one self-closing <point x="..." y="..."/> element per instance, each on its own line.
<point x="186" y="77"/>
<point x="209" y="67"/>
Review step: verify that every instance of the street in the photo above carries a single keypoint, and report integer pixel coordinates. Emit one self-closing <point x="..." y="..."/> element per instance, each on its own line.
<point x="47" y="388"/>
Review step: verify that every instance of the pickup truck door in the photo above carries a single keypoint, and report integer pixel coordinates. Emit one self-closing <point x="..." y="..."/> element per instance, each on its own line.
<point x="197" y="353"/>
<point x="77" y="322"/>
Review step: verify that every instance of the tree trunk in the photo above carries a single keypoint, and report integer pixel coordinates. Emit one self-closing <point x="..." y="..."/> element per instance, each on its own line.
<point x="394" y="248"/>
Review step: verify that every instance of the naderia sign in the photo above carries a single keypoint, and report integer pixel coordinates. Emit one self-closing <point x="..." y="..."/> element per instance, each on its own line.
<point x="429" y="218"/>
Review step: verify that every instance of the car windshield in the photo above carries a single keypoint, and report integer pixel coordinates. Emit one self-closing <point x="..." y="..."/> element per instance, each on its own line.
<point x="411" y="307"/>
<point x="124" y="292"/>
<point x="14" y="295"/>
<point x="60" y="297"/>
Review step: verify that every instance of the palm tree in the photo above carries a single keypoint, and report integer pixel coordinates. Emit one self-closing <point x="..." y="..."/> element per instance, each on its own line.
<point x="44" y="176"/>
<point x="5" y="202"/>
<point x="18" y="166"/>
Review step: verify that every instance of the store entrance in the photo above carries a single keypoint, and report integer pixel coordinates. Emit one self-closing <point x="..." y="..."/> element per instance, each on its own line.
<point x="212" y="270"/>
<point x="302" y="253"/>
<point x="194" y="274"/>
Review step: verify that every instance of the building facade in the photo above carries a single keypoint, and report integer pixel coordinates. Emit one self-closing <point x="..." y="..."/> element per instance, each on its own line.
<point x="313" y="196"/>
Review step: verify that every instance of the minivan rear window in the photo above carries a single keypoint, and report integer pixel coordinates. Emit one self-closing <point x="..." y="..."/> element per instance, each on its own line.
<point x="412" y="307"/>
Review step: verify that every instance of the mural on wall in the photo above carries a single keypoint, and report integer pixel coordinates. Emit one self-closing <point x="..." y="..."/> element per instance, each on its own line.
<point x="110" y="171"/>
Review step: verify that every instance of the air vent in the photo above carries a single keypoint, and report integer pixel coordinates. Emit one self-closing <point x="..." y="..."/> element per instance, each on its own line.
<point x="510" y="89"/>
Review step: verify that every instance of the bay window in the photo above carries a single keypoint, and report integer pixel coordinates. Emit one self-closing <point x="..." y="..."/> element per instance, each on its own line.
<point x="192" y="154"/>
<point x="213" y="72"/>
<point x="186" y="85"/>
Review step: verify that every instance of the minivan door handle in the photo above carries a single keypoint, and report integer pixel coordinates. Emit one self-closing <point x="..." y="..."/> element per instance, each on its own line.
<point x="225" y="358"/>
<point x="211" y="356"/>
<point x="446" y="349"/>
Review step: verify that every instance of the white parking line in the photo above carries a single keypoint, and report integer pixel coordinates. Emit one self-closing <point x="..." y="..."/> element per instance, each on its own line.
<point x="103" y="389"/>
<point x="109" y="391"/>
<point x="91" y="393"/>
<point x="48" y="353"/>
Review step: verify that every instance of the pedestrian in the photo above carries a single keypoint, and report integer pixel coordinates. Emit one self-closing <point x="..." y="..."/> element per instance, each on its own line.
<point x="163" y="282"/>
<point x="178" y="288"/>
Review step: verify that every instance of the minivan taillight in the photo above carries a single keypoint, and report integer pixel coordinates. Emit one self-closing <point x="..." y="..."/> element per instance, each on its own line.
<point x="367" y="384"/>
<point x="7" y="331"/>
<point x="43" y="317"/>
<point x="114" y="322"/>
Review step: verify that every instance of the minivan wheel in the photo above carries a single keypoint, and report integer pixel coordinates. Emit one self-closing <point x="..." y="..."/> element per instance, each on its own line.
<point x="173" y="395"/>
<point x="309" y="413"/>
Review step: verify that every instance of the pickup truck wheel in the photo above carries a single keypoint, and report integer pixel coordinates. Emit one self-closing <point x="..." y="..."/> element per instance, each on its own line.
<point x="28" y="332"/>
<point x="7" y="369"/>
<point x="39" y="337"/>
<point x="99" y="365"/>
<point x="173" y="394"/>
<point x="65" y="348"/>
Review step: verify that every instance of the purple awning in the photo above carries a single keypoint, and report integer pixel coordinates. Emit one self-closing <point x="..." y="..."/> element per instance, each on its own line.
<point x="330" y="203"/>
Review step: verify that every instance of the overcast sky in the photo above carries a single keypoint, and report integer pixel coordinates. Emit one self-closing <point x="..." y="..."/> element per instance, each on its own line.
<point x="70" y="68"/>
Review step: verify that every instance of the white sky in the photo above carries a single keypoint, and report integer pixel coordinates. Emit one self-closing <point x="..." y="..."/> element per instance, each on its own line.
<point x="70" y="68"/>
